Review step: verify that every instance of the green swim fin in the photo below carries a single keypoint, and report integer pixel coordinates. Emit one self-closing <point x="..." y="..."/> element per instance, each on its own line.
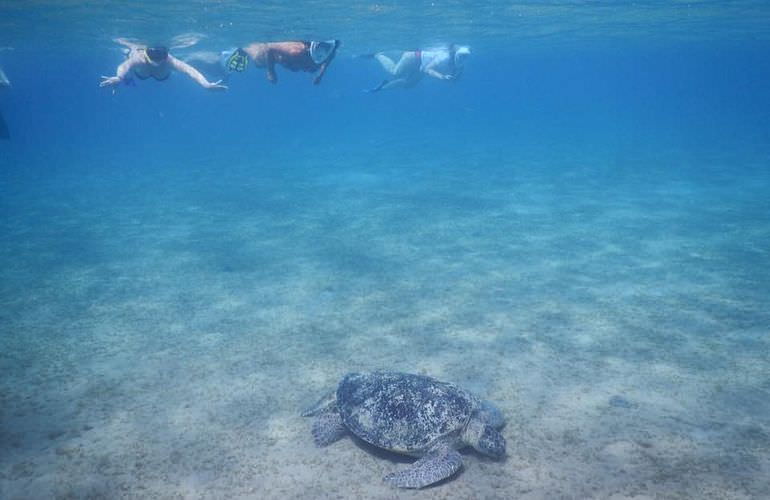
<point x="238" y="61"/>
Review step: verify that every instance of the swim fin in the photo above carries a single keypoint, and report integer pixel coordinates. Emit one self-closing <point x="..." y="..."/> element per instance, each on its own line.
<point x="4" y="134"/>
<point x="377" y="88"/>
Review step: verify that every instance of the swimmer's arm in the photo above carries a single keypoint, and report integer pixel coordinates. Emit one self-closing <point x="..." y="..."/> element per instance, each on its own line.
<point x="125" y="67"/>
<point x="321" y="72"/>
<point x="325" y="65"/>
<point x="128" y="43"/>
<point x="193" y="73"/>
<point x="121" y="72"/>
<point x="435" y="74"/>
<point x="270" y="58"/>
<point x="430" y="70"/>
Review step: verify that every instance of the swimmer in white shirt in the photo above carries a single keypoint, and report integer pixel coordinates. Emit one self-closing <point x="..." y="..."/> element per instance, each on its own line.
<point x="443" y="64"/>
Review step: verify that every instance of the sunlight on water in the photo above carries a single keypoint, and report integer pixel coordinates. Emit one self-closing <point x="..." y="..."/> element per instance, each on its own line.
<point x="370" y="24"/>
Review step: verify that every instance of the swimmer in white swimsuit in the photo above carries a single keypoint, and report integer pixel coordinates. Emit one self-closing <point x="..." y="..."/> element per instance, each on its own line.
<point x="443" y="64"/>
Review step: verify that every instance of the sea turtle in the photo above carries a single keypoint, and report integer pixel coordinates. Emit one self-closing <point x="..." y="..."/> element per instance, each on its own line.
<point x="413" y="415"/>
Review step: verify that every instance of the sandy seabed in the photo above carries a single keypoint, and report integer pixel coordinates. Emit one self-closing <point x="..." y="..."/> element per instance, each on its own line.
<point x="162" y="345"/>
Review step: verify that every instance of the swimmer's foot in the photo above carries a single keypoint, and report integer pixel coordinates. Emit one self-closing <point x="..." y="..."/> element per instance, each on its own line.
<point x="377" y="88"/>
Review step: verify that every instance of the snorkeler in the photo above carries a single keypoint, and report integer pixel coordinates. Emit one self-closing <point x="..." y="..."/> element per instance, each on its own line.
<point x="443" y="64"/>
<point x="4" y="83"/>
<point x="294" y="56"/>
<point x="4" y="133"/>
<point x="145" y="62"/>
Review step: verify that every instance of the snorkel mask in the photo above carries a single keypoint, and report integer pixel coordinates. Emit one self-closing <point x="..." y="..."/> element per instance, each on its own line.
<point x="321" y="51"/>
<point x="157" y="54"/>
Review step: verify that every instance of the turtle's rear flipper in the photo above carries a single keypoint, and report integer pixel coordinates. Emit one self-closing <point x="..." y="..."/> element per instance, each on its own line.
<point x="431" y="468"/>
<point x="327" y="428"/>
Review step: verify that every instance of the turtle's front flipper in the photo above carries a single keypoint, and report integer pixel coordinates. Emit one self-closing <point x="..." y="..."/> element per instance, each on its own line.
<point x="433" y="467"/>
<point x="327" y="428"/>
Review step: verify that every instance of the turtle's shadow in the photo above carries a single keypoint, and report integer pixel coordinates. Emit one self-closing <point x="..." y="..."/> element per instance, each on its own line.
<point x="399" y="458"/>
<point x="391" y="456"/>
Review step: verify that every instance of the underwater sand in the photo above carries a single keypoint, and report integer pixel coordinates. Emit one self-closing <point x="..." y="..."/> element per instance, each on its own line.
<point x="160" y="345"/>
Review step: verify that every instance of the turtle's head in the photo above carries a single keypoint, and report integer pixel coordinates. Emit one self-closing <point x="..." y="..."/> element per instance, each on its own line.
<point x="491" y="443"/>
<point x="484" y="438"/>
<point x="491" y="415"/>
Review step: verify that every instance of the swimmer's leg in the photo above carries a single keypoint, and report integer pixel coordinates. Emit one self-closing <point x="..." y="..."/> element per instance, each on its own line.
<point x="406" y="71"/>
<point x="128" y="43"/>
<point x="407" y="66"/>
<point x="387" y="63"/>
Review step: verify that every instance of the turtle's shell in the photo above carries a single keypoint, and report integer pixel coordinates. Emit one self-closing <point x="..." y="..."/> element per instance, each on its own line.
<point x="402" y="412"/>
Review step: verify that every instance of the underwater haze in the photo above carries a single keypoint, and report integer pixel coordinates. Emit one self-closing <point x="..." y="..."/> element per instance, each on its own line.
<point x="577" y="230"/>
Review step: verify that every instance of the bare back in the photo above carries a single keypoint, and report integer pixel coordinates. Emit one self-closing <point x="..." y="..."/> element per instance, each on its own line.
<point x="293" y="56"/>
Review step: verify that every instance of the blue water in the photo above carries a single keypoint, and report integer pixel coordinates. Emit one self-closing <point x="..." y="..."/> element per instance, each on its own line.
<point x="578" y="230"/>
